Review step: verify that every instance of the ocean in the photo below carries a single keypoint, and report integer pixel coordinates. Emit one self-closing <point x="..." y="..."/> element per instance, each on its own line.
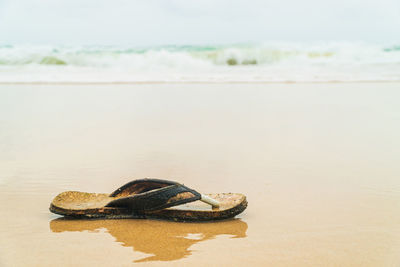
<point x="264" y="62"/>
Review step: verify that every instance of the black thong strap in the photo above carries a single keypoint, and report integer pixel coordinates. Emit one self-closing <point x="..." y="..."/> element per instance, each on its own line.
<point x="152" y="194"/>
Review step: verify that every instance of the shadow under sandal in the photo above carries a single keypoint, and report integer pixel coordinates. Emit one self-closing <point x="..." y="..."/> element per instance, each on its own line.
<point x="150" y="198"/>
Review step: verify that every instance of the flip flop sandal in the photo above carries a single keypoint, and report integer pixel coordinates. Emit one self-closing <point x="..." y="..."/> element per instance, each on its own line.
<point x="150" y="198"/>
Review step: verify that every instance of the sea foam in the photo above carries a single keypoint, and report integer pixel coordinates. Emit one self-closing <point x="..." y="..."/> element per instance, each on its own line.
<point x="268" y="62"/>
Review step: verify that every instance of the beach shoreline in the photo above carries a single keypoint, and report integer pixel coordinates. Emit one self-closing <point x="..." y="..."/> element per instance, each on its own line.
<point x="318" y="163"/>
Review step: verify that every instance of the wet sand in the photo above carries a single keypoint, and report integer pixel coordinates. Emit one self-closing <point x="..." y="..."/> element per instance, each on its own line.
<point x="319" y="164"/>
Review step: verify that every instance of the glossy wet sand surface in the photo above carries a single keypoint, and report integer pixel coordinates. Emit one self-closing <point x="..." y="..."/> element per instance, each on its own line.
<point x="319" y="164"/>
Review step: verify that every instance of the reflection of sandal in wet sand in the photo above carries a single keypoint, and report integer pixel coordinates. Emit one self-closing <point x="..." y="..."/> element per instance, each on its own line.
<point x="150" y="198"/>
<point x="160" y="240"/>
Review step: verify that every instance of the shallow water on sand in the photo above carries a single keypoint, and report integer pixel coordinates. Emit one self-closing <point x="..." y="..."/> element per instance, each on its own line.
<point x="318" y="163"/>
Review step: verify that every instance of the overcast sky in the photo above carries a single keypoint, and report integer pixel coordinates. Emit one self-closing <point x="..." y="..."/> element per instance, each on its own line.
<point x="160" y="22"/>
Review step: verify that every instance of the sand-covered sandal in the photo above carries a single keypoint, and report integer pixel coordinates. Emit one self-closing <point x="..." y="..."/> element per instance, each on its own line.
<point x="150" y="198"/>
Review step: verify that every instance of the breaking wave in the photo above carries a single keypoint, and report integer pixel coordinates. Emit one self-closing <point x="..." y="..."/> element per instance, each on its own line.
<point x="261" y="62"/>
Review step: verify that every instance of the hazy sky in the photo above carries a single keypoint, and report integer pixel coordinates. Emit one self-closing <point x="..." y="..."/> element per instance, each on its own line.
<point x="158" y="22"/>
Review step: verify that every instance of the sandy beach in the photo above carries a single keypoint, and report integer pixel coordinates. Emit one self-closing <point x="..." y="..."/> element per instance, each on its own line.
<point x="318" y="162"/>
